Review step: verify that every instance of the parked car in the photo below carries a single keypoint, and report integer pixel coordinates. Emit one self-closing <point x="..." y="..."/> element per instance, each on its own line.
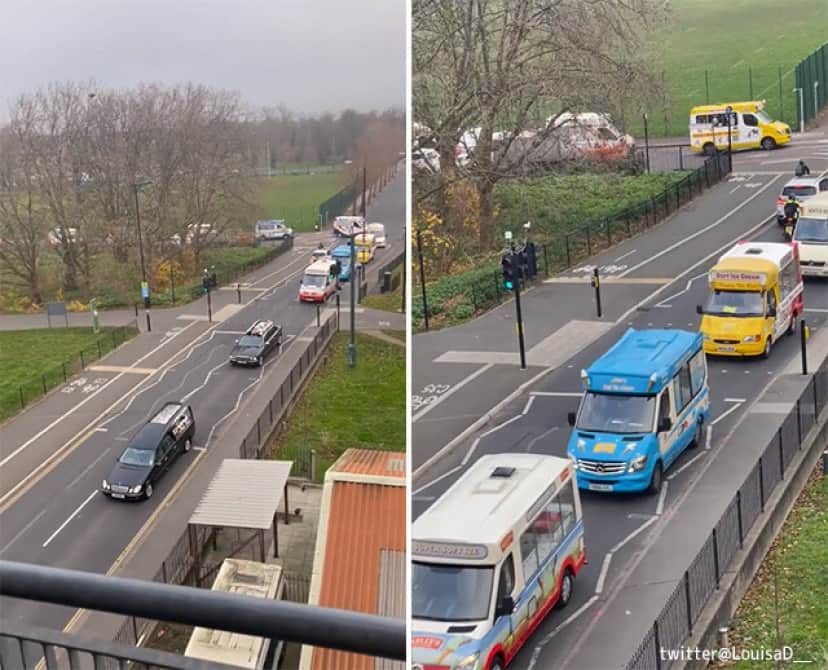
<point x="151" y="452"/>
<point x="256" y="344"/>
<point x="801" y="188"/>
<point x="378" y="231"/>
<point x="275" y="229"/>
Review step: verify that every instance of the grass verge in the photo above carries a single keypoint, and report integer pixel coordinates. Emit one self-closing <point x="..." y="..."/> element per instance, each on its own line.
<point x="296" y="198"/>
<point x="791" y="585"/>
<point x="340" y="408"/>
<point x="35" y="361"/>
<point x="387" y="302"/>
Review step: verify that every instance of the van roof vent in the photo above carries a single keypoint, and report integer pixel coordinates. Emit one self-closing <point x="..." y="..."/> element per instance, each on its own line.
<point x="754" y="252"/>
<point x="503" y="472"/>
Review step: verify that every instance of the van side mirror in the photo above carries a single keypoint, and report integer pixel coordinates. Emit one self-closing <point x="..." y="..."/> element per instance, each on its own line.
<point x="505" y="607"/>
<point x="570" y="418"/>
<point x="771" y="311"/>
<point x="665" y="424"/>
<point x="699" y="309"/>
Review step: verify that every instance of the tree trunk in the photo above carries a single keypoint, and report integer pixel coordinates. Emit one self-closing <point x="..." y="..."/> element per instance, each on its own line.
<point x="34" y="288"/>
<point x="485" y="192"/>
<point x="70" y="269"/>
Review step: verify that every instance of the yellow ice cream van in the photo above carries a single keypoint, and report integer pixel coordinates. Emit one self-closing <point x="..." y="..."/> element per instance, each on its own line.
<point x="756" y="295"/>
<point x="750" y="127"/>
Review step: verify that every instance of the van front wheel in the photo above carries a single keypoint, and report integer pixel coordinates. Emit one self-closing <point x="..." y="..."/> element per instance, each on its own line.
<point x="768" y="143"/>
<point x="709" y="149"/>
<point x="767" y="350"/>
<point x="497" y="664"/>
<point x="657" y="479"/>
<point x="792" y="326"/>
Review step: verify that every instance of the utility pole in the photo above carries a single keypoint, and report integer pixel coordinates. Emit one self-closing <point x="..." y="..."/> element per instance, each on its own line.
<point x="364" y="188"/>
<point x="145" y="294"/>
<point x="353" y="280"/>
<point x="422" y="277"/>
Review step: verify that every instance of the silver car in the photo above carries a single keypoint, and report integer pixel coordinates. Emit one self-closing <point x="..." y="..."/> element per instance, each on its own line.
<point x="801" y="188"/>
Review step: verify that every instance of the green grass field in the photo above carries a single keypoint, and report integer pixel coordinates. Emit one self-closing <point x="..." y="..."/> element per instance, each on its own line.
<point x="296" y="198"/>
<point x="31" y="358"/>
<point x="342" y="407"/>
<point x="726" y="39"/>
<point x="799" y="557"/>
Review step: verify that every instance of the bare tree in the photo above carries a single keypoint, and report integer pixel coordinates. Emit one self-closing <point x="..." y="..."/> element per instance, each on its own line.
<point x="23" y="218"/>
<point x="499" y="66"/>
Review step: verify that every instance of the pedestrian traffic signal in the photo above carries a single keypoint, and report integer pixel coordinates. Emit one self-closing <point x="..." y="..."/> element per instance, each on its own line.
<point x="510" y="271"/>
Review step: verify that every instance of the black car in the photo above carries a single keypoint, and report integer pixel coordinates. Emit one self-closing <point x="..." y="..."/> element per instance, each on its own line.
<point x="151" y="452"/>
<point x="256" y="343"/>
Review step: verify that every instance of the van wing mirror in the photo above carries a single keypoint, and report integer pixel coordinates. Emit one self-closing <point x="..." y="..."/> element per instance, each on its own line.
<point x="570" y="418"/>
<point x="665" y="424"/>
<point x="505" y="607"/>
<point x="771" y="311"/>
<point x="699" y="309"/>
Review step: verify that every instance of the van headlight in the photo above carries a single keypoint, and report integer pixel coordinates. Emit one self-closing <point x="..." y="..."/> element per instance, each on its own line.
<point x="706" y="338"/>
<point x="136" y="489"/>
<point x="751" y="338"/>
<point x="105" y="485"/>
<point x="638" y="463"/>
<point x="581" y="444"/>
<point x="468" y="663"/>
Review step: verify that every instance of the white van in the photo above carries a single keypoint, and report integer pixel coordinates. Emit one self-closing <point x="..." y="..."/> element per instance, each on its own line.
<point x="491" y="558"/>
<point x="811" y="232"/>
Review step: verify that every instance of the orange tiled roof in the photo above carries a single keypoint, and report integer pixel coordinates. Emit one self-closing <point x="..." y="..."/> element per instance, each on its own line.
<point x="371" y="462"/>
<point x="365" y="531"/>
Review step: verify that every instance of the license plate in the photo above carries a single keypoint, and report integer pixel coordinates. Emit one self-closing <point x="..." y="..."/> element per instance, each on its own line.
<point x="119" y="496"/>
<point x="723" y="348"/>
<point x="600" y="487"/>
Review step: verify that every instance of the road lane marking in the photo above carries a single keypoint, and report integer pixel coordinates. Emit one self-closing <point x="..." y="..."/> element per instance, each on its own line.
<point x="599" y="585"/>
<point x="536" y="652"/>
<point x="735" y="399"/>
<point x="528" y="405"/>
<point x="538" y="438"/>
<point x="448" y="473"/>
<point x="71" y="411"/>
<point x="618" y="545"/>
<point x="617" y="279"/>
<point x="819" y="310"/>
<point x="702" y="231"/>
<point x="231" y="332"/>
<point x="622" y="257"/>
<point x="557" y="394"/>
<point x="474" y="375"/>
<point x="206" y="381"/>
<point x="139" y="536"/>
<point x="726" y="412"/>
<point x="125" y="369"/>
<point x="71" y="516"/>
<point x="102" y="430"/>
<point x="501" y="425"/>
<point x="22" y="531"/>
<point x="470" y="452"/>
<point x="89" y="467"/>
<point x="685" y="466"/>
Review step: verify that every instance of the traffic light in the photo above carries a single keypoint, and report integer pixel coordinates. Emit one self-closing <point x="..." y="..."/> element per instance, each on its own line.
<point x="205" y="283"/>
<point x="510" y="272"/>
<point x="523" y="264"/>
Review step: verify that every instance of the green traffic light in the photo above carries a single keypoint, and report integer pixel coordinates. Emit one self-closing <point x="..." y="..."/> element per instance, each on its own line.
<point x="509" y="285"/>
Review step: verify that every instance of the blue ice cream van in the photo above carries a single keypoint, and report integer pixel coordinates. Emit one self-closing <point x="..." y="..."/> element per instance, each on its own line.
<point x="342" y="253"/>
<point x="645" y="401"/>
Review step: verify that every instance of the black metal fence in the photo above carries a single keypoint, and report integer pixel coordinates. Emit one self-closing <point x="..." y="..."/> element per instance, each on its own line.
<point x="485" y="288"/>
<point x="701" y="579"/>
<point x="20" y="395"/>
<point x="390" y="266"/>
<point x="667" y="157"/>
<point x="182" y="565"/>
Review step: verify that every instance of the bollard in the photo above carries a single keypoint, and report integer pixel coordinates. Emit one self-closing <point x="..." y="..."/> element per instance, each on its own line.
<point x="386" y="282"/>
<point x="337" y="312"/>
<point x="803" y="338"/>
<point x="135" y="305"/>
<point x="825" y="463"/>
<point x="238" y="292"/>
<point x="149" y="324"/>
<point x="596" y="284"/>
<point x="317" y="316"/>
<point x="209" y="307"/>
<point x="313" y="465"/>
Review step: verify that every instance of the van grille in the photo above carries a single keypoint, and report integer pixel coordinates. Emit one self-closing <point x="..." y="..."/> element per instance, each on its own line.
<point x="815" y="264"/>
<point x="726" y="341"/>
<point x="602" y="467"/>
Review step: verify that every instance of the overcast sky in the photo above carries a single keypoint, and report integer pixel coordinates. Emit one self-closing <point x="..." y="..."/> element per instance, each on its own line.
<point x="310" y="55"/>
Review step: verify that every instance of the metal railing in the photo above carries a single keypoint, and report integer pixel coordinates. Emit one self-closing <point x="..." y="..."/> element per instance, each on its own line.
<point x="702" y="578"/>
<point x="272" y="619"/>
<point x="39" y="385"/>
<point x="483" y="287"/>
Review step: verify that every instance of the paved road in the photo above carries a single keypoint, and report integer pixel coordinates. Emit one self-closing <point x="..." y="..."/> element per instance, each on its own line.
<point x="656" y="281"/>
<point x="53" y="515"/>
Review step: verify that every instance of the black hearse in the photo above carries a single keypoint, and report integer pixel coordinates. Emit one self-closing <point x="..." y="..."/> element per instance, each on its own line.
<point x="257" y="342"/>
<point x="150" y="453"/>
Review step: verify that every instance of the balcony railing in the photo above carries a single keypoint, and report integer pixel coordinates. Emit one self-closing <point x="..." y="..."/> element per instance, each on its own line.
<point x="285" y="621"/>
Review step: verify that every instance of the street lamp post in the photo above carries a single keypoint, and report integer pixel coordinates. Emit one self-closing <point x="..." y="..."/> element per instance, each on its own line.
<point x="816" y="98"/>
<point x="801" y="109"/>
<point x="144" y="284"/>
<point x="729" y="112"/>
<point x="353" y="280"/>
